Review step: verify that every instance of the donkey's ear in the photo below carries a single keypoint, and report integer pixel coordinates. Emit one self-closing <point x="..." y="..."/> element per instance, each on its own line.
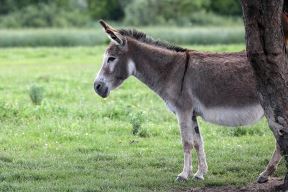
<point x="113" y="34"/>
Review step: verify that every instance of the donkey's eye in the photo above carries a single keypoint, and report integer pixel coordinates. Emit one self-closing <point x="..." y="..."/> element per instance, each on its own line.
<point x="110" y="59"/>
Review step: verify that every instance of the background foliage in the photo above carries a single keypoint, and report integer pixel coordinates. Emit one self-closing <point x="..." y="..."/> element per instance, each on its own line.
<point x="80" y="13"/>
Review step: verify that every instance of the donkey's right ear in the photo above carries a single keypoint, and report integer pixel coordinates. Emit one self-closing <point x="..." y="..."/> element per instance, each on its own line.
<point x="113" y="34"/>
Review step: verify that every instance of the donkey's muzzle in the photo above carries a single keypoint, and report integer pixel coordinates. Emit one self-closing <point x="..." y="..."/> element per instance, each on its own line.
<point x="101" y="89"/>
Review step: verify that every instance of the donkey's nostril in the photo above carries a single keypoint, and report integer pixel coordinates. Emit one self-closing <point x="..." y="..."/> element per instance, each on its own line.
<point x="98" y="86"/>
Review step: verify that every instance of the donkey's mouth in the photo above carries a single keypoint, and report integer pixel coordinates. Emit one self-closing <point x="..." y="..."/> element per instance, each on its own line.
<point x="104" y="93"/>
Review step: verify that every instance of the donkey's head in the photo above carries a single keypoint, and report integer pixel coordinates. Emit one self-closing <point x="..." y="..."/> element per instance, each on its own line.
<point x="116" y="65"/>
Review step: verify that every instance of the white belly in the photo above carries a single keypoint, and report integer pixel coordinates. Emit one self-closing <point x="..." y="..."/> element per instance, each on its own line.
<point x="230" y="116"/>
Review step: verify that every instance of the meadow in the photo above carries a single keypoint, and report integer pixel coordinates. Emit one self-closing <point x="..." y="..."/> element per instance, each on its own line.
<point x="77" y="141"/>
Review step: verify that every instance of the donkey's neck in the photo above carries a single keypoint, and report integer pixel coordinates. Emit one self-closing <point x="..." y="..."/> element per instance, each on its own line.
<point x="155" y="66"/>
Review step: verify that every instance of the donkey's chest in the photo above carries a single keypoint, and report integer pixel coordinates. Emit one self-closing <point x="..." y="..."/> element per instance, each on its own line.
<point x="170" y="106"/>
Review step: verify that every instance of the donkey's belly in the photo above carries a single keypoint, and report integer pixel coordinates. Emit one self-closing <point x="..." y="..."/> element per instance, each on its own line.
<point x="230" y="116"/>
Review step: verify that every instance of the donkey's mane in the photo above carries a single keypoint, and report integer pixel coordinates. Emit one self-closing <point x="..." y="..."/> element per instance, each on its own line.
<point x="140" y="36"/>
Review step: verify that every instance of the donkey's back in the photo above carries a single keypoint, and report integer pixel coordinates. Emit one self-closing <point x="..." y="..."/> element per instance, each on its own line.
<point x="224" y="88"/>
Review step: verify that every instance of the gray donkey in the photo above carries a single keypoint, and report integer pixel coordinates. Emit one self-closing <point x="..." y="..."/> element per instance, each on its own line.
<point x="219" y="87"/>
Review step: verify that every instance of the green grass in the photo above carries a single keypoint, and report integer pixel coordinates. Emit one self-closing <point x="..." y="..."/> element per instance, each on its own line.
<point x="76" y="141"/>
<point x="92" y="37"/>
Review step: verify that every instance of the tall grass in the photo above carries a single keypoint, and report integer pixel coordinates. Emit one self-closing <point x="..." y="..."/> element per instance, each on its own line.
<point x="50" y="38"/>
<point x="198" y="35"/>
<point x="92" y="37"/>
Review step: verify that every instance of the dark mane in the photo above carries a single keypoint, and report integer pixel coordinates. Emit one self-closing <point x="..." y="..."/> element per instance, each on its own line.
<point x="140" y="36"/>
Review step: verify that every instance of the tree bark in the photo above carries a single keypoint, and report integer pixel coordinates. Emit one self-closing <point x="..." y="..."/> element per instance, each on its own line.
<point x="267" y="54"/>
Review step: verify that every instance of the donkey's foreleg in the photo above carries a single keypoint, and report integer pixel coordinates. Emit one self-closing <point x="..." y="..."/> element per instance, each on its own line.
<point x="199" y="146"/>
<point x="271" y="167"/>
<point x="186" y="130"/>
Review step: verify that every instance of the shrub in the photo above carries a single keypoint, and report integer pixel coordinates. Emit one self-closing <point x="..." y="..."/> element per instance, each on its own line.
<point x="226" y="7"/>
<point x="136" y="121"/>
<point x="36" y="94"/>
<point x="44" y="15"/>
<point x="108" y="9"/>
<point x="176" y="12"/>
<point x="136" y="13"/>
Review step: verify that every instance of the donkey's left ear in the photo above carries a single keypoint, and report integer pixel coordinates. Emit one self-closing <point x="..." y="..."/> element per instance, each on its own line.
<point x="113" y="34"/>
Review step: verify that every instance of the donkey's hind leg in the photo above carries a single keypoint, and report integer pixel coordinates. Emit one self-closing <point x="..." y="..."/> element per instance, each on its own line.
<point x="271" y="167"/>
<point x="199" y="146"/>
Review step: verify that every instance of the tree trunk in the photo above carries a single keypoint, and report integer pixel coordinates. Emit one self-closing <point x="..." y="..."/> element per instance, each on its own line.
<point x="267" y="54"/>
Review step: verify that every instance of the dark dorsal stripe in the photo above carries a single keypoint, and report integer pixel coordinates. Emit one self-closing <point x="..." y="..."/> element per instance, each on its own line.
<point x="142" y="37"/>
<point x="185" y="69"/>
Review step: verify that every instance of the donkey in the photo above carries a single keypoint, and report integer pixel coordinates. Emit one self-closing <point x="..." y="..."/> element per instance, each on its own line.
<point x="219" y="87"/>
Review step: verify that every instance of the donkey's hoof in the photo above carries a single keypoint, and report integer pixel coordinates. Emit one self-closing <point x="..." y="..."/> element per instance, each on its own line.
<point x="198" y="177"/>
<point x="262" y="179"/>
<point x="181" y="179"/>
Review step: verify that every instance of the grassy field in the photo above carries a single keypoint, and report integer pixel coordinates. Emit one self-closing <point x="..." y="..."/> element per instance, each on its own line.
<point x="91" y="37"/>
<point x="76" y="141"/>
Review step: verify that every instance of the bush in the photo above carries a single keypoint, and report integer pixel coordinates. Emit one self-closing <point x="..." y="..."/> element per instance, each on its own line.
<point x="65" y="13"/>
<point x="136" y="121"/>
<point x="36" y="94"/>
<point x="176" y="12"/>
<point x="43" y="15"/>
<point x="108" y="9"/>
<point x="226" y="7"/>
<point x="137" y="13"/>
